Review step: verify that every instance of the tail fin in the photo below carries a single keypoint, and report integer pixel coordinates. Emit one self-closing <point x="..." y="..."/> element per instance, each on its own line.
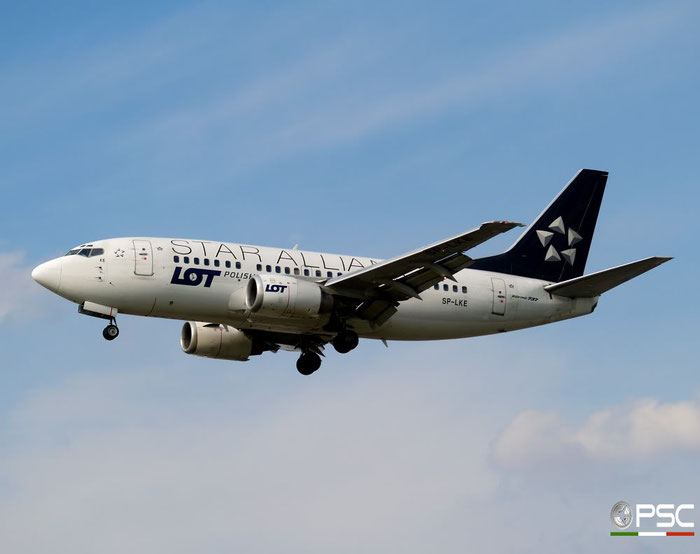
<point x="555" y="247"/>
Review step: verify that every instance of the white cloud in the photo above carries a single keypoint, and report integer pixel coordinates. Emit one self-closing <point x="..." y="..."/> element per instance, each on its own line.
<point x="320" y="469"/>
<point x="319" y="120"/>
<point x="108" y="70"/>
<point x="640" y="429"/>
<point x="531" y="438"/>
<point x="644" y="428"/>
<point x="578" y="54"/>
<point x="18" y="294"/>
<point x="391" y="456"/>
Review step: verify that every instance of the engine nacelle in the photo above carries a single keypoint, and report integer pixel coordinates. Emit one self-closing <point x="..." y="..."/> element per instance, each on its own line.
<point x="212" y="340"/>
<point x="284" y="296"/>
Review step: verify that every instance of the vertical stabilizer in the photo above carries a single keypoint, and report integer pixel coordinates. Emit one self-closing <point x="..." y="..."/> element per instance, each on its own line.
<point x="555" y="247"/>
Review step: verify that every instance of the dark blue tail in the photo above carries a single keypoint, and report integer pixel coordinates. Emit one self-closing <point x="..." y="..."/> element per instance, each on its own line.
<point x="555" y="247"/>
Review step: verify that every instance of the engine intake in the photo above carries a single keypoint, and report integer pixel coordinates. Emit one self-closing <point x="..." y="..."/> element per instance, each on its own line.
<point x="212" y="340"/>
<point x="283" y="296"/>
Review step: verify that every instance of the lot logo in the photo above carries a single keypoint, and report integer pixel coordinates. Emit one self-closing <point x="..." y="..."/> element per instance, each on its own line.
<point x="664" y="515"/>
<point x="194" y="276"/>
<point x="275" y="288"/>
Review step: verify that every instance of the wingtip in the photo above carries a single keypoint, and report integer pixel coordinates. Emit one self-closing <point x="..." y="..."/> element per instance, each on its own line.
<point x="511" y="223"/>
<point x="656" y="261"/>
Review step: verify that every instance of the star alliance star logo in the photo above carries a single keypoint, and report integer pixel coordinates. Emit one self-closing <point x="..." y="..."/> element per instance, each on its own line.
<point x="119" y="253"/>
<point x="572" y="237"/>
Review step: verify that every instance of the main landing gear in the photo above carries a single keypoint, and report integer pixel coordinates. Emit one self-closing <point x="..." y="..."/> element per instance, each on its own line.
<point x="111" y="332"/>
<point x="345" y="341"/>
<point x="308" y="362"/>
<point x="310" y="359"/>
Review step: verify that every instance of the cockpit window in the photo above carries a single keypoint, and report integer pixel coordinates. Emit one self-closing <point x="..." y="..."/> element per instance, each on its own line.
<point x="87" y="252"/>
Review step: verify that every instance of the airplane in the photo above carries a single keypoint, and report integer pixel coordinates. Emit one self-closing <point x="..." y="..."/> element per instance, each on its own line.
<point x="239" y="300"/>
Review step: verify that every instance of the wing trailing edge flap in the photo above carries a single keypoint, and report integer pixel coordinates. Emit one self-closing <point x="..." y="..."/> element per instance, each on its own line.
<point x="407" y="275"/>
<point x="597" y="283"/>
<point x="381" y="287"/>
<point x="377" y="312"/>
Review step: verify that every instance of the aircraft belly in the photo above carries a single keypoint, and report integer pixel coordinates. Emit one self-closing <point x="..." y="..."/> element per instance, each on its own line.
<point x="282" y="325"/>
<point x="443" y="315"/>
<point x="199" y="304"/>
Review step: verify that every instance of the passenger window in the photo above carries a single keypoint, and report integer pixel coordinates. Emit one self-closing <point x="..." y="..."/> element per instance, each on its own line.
<point x="306" y="272"/>
<point x="196" y="261"/>
<point x="238" y="265"/>
<point x="268" y="268"/>
<point x="278" y="269"/>
<point x="445" y="288"/>
<point x="330" y="274"/>
<point x="217" y="263"/>
<point x="296" y="271"/>
<point x="464" y="290"/>
<point x="437" y="287"/>
<point x="186" y="259"/>
<point x="176" y="259"/>
<point x="286" y="271"/>
<point x="318" y="273"/>
<point x="258" y="267"/>
<point x="206" y="261"/>
<point x="454" y="288"/>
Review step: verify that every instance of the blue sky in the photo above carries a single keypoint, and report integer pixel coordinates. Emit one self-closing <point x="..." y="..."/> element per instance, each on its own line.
<point x="367" y="129"/>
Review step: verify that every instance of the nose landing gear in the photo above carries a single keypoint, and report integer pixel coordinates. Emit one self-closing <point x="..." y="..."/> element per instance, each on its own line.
<point x="111" y="332"/>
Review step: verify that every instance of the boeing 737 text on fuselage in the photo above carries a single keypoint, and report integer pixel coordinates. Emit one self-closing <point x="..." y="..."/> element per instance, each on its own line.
<point x="240" y="300"/>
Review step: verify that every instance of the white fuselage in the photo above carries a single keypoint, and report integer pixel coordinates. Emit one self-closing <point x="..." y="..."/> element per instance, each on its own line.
<point x="206" y="281"/>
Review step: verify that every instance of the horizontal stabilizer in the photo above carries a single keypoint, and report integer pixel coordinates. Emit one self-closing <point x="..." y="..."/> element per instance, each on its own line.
<point x="597" y="283"/>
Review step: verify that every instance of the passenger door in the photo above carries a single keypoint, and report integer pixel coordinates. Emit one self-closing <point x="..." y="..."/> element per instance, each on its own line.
<point x="143" y="252"/>
<point x="499" y="296"/>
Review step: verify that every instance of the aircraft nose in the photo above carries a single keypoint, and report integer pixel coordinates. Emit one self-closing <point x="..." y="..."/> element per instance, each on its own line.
<point x="48" y="274"/>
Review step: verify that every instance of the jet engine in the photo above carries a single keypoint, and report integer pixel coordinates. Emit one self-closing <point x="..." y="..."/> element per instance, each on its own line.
<point x="284" y="296"/>
<point x="212" y="340"/>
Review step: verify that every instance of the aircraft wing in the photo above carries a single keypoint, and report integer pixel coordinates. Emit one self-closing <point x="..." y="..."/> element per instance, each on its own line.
<point x="383" y="285"/>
